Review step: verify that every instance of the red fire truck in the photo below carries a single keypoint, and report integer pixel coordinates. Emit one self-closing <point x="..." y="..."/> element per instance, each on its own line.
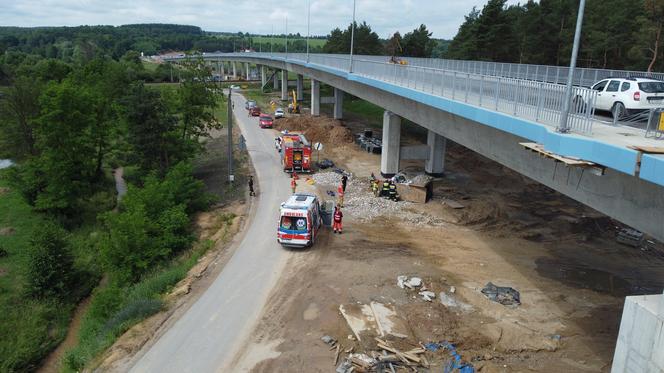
<point x="295" y="153"/>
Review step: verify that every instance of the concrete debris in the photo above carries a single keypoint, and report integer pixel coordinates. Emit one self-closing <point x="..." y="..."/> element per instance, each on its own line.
<point x="413" y="282"/>
<point x="328" y="340"/>
<point x="504" y="295"/>
<point x="630" y="237"/>
<point x="427" y="295"/>
<point x="344" y="367"/>
<point x="450" y="302"/>
<point x="362" y="205"/>
<point x="452" y="289"/>
<point x="401" y="280"/>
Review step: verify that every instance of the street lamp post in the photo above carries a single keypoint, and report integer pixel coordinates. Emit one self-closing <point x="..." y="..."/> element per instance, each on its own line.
<point x="563" y="126"/>
<point x="308" y="25"/>
<point x="352" y="39"/>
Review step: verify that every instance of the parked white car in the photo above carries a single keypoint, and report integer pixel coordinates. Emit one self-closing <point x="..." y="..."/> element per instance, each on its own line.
<point x="279" y="113"/>
<point x="623" y="96"/>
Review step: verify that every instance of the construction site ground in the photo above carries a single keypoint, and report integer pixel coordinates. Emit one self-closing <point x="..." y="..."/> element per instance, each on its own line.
<point x="560" y="255"/>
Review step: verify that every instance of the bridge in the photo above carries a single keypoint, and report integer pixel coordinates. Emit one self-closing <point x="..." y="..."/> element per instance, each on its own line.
<point x="492" y="109"/>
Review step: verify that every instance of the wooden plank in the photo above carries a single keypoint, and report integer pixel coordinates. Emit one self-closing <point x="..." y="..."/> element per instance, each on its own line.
<point x="453" y="204"/>
<point x="648" y="149"/>
<point x="570" y="161"/>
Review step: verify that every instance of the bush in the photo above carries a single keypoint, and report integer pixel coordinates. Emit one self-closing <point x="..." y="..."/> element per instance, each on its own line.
<point x="50" y="270"/>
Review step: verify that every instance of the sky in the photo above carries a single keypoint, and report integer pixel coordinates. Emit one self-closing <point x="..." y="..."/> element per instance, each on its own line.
<point x="442" y="17"/>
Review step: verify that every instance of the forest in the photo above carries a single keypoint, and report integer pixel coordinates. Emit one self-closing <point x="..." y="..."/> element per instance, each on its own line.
<point x="617" y="34"/>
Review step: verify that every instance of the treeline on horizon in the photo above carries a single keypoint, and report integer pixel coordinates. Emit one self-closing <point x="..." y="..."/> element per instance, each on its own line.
<point x="617" y="34"/>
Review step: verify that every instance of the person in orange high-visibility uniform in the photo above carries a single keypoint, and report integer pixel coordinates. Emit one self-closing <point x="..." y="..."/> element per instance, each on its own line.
<point x="337" y="217"/>
<point x="340" y="194"/>
<point x="293" y="184"/>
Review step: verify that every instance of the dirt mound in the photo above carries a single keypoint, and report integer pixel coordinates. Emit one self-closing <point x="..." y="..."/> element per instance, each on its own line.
<point x="317" y="129"/>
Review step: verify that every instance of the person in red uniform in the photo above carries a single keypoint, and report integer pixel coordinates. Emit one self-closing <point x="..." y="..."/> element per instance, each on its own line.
<point x="340" y="194"/>
<point x="337" y="217"/>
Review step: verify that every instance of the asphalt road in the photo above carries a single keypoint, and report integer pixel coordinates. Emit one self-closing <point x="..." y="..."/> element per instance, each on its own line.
<point x="210" y="333"/>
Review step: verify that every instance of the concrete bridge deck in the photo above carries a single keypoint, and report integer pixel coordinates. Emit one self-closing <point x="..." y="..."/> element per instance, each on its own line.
<point x="492" y="115"/>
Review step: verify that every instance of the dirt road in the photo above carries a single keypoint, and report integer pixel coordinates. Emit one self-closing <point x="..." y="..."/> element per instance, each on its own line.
<point x="209" y="333"/>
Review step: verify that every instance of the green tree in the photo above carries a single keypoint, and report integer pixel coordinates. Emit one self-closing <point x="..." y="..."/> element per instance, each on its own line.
<point x="152" y="224"/>
<point x="649" y="35"/>
<point x="394" y="45"/>
<point x="366" y="41"/>
<point x="19" y="110"/>
<point x="464" y="44"/>
<point x="418" y="43"/>
<point x="197" y="100"/>
<point x="64" y="167"/>
<point x="50" y="270"/>
<point x="152" y="131"/>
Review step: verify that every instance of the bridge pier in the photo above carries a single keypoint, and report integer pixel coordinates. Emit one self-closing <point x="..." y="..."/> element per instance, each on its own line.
<point x="263" y="76"/>
<point x="315" y="97"/>
<point x="300" y="86"/>
<point x="234" y="70"/>
<point x="390" y="154"/>
<point x="284" y="85"/>
<point x="222" y="73"/>
<point x="246" y="65"/>
<point x="435" y="163"/>
<point x="338" y="103"/>
<point x="275" y="80"/>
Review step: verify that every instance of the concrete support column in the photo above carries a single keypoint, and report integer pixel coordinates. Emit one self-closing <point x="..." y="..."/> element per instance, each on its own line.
<point x="222" y="72"/>
<point x="263" y="76"/>
<point x="338" y="103"/>
<point x="234" y="70"/>
<point x="390" y="153"/>
<point x="300" y="86"/>
<point x="246" y="65"/>
<point x="315" y="97"/>
<point x="435" y="164"/>
<point x="275" y="81"/>
<point x="284" y="85"/>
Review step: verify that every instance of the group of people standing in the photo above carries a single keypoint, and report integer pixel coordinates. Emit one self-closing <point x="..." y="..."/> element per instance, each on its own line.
<point x="337" y="216"/>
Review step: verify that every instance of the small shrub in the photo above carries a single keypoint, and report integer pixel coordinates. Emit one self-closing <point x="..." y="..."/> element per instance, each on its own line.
<point x="50" y="270"/>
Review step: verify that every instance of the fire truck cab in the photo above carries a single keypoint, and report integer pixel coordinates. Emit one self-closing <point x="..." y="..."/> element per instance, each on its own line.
<point x="295" y="153"/>
<point x="299" y="220"/>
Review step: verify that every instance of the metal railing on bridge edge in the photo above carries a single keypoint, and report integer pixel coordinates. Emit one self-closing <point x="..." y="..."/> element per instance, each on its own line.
<point x="537" y="101"/>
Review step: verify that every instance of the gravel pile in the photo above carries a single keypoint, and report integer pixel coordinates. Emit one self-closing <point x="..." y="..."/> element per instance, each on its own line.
<point x="329" y="178"/>
<point x="362" y="205"/>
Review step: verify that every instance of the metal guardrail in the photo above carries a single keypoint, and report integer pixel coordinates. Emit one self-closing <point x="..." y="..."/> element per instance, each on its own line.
<point x="538" y="101"/>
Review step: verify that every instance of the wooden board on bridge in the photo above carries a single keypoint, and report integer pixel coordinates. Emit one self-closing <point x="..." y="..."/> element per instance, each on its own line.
<point x="570" y="161"/>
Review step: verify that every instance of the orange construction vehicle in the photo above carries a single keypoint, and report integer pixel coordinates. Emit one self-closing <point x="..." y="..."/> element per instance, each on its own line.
<point x="295" y="153"/>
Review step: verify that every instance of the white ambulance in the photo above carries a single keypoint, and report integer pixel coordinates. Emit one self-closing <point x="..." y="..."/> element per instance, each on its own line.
<point x="299" y="220"/>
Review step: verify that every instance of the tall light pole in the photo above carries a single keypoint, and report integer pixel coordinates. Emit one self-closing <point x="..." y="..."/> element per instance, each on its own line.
<point x="231" y="177"/>
<point x="352" y="39"/>
<point x="563" y="127"/>
<point x="286" y="35"/>
<point x="308" y="25"/>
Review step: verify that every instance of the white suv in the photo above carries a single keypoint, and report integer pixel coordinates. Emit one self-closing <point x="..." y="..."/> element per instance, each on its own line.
<point x="624" y="95"/>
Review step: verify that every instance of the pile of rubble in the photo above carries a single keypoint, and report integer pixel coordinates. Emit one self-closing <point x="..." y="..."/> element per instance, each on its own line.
<point x="362" y="205"/>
